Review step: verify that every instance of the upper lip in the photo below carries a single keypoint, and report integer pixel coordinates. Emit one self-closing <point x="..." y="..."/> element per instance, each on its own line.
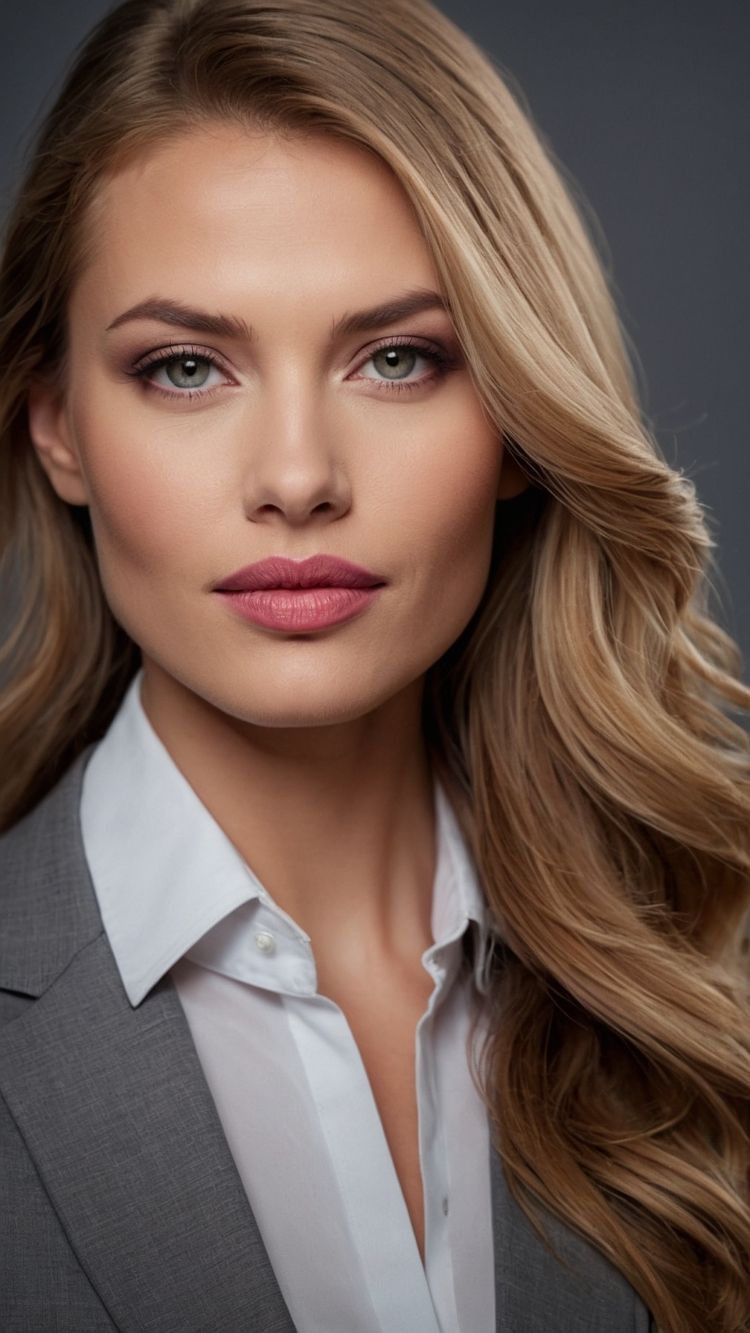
<point x="316" y="571"/>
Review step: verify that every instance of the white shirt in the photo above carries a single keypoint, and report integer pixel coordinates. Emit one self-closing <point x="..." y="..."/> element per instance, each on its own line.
<point x="280" y="1060"/>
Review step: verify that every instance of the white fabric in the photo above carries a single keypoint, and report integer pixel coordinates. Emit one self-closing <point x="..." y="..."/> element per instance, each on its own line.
<point x="282" y="1064"/>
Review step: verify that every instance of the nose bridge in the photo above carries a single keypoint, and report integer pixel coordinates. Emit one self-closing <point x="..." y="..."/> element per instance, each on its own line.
<point x="294" y="470"/>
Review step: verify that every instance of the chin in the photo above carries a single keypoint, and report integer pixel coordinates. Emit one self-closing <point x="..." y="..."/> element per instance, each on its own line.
<point x="297" y="704"/>
<point x="295" y="718"/>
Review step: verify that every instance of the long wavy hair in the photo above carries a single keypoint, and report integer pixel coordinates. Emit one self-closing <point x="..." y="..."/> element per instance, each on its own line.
<point x="584" y="717"/>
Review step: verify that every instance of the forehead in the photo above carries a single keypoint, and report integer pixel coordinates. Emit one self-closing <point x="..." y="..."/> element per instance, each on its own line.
<point x="219" y="212"/>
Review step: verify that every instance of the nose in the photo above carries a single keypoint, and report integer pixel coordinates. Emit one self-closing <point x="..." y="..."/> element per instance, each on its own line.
<point x="296" y="473"/>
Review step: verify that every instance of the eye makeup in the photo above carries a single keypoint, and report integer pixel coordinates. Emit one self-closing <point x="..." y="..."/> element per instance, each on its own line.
<point x="193" y="359"/>
<point x="392" y="362"/>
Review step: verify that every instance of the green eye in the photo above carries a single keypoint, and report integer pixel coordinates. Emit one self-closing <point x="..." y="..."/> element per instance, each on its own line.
<point x="187" y="372"/>
<point x="395" y="363"/>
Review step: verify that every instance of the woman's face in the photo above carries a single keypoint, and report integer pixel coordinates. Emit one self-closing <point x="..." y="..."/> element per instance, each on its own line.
<point x="261" y="371"/>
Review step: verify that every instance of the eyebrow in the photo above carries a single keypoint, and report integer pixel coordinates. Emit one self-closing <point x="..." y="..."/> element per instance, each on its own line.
<point x="164" y="311"/>
<point x="390" y="312"/>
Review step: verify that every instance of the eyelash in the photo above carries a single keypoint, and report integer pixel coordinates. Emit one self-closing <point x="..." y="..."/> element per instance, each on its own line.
<point x="153" y="361"/>
<point x="442" y="362"/>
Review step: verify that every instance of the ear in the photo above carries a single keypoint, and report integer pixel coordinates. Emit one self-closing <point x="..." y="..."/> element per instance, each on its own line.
<point x="51" y="436"/>
<point x="513" y="479"/>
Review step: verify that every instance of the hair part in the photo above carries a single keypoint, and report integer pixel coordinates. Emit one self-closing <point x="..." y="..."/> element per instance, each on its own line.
<point x="583" y="717"/>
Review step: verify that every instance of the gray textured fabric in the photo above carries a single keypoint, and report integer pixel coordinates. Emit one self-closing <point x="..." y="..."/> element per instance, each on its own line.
<point x="42" y="1285"/>
<point x="120" y="1205"/>
<point x="47" y="901"/>
<point x="577" y="1292"/>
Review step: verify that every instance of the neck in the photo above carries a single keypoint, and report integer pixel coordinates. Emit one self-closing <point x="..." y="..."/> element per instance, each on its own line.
<point x="336" y="821"/>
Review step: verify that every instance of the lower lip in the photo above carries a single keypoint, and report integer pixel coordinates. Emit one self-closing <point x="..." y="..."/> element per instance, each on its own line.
<point x="300" y="610"/>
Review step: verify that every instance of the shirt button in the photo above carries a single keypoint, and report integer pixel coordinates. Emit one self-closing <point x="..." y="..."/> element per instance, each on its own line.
<point x="265" y="943"/>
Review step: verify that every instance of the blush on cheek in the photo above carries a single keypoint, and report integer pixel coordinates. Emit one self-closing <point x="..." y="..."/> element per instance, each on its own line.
<point x="457" y="505"/>
<point x="144" y="556"/>
<point x="454" y="546"/>
<point x="132" y="530"/>
<point x="143" y="515"/>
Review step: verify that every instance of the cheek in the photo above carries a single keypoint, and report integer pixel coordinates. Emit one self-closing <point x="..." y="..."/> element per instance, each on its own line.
<point x="147" y="509"/>
<point x="451" y="521"/>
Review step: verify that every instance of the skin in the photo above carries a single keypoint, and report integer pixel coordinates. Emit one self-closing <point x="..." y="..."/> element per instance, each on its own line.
<point x="307" y="749"/>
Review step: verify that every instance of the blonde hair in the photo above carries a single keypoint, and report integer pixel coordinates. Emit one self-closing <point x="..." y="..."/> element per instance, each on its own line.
<point x="584" y="714"/>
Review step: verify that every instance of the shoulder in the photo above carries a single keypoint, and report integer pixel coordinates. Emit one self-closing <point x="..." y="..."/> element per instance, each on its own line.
<point x="549" y="1277"/>
<point x="48" y="909"/>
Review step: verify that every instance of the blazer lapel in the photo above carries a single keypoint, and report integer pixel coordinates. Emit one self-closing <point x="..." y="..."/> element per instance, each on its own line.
<point x="115" y="1112"/>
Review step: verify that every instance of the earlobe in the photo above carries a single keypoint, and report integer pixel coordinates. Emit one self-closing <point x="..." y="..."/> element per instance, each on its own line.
<point x="51" y="437"/>
<point x="513" y="479"/>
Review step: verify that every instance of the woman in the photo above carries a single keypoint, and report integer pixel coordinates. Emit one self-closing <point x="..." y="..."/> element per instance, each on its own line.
<point x="291" y="299"/>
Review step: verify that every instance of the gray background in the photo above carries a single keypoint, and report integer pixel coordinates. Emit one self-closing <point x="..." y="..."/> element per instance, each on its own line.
<point x="647" y="103"/>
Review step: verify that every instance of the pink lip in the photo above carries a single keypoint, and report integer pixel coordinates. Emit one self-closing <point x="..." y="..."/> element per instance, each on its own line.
<point x="300" y="596"/>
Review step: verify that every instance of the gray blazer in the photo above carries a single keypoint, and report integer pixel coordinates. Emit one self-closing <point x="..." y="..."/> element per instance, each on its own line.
<point x="120" y="1205"/>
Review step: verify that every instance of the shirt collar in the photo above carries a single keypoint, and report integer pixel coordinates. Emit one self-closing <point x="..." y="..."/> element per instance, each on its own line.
<point x="165" y="874"/>
<point x="457" y="897"/>
<point x="163" y="871"/>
